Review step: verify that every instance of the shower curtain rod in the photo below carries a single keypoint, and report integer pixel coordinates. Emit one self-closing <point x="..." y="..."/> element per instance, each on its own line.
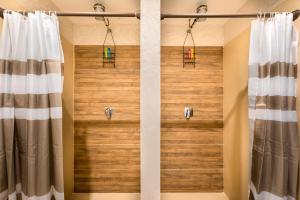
<point x="164" y="16"/>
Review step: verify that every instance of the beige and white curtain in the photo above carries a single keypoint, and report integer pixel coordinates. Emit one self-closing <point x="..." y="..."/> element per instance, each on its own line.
<point x="31" y="162"/>
<point x="274" y="144"/>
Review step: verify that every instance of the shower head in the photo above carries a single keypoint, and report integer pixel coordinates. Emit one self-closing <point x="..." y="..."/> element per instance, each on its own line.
<point x="98" y="8"/>
<point x="202" y="9"/>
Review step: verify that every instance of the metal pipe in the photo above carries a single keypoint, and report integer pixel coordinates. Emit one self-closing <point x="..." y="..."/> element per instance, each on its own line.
<point x="93" y="14"/>
<point x="165" y="16"/>
<point x="213" y="15"/>
<point x="86" y="14"/>
<point x="225" y="15"/>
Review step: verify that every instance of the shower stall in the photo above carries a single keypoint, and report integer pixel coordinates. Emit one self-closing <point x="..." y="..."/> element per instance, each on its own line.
<point x="108" y="151"/>
<point x="155" y="102"/>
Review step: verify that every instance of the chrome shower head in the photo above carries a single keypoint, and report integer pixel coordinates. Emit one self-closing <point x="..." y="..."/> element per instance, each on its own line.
<point x="202" y="9"/>
<point x="99" y="8"/>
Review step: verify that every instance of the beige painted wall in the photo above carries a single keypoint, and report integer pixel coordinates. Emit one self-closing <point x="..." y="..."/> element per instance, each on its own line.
<point x="129" y="34"/>
<point x="235" y="59"/>
<point x="68" y="110"/>
<point x="204" y="34"/>
<point x="236" y="135"/>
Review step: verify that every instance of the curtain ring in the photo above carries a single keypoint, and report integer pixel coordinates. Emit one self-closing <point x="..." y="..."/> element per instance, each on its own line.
<point x="260" y="15"/>
<point x="24" y="14"/>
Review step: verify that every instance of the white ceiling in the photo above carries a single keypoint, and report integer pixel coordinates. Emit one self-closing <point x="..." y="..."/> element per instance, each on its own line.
<point x="168" y="6"/>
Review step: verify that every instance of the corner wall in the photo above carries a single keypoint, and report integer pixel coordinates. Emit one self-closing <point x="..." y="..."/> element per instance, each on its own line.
<point x="236" y="140"/>
<point x="68" y="123"/>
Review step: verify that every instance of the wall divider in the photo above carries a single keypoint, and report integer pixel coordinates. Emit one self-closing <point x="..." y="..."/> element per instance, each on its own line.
<point x="150" y="99"/>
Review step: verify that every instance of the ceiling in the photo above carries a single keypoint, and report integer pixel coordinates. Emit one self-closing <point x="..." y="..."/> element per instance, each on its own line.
<point x="168" y="6"/>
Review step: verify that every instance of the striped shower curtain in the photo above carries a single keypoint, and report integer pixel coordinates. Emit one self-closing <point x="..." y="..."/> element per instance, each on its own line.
<point x="31" y="84"/>
<point x="274" y="144"/>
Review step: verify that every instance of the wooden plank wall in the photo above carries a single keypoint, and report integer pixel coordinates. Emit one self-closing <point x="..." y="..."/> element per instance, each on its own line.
<point x="191" y="151"/>
<point x="107" y="153"/>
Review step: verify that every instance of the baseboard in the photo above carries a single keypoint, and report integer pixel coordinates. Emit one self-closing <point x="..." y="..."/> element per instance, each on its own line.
<point x="105" y="196"/>
<point x="193" y="196"/>
<point x="136" y="196"/>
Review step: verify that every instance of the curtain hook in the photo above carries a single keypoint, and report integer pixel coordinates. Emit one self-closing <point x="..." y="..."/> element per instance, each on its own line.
<point x="260" y="15"/>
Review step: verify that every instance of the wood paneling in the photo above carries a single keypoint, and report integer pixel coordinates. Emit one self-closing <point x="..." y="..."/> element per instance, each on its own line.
<point x="107" y="153"/>
<point x="192" y="180"/>
<point x="192" y="150"/>
<point x="97" y="87"/>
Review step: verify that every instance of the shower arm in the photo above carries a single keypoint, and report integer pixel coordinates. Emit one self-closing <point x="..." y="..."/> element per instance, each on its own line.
<point x="296" y="14"/>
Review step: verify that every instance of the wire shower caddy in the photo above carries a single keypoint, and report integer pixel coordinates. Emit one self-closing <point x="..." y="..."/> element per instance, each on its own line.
<point x="189" y="51"/>
<point x="109" y="51"/>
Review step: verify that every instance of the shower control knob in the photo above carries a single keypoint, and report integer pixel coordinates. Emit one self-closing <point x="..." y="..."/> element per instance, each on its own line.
<point x="108" y="112"/>
<point x="188" y="112"/>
